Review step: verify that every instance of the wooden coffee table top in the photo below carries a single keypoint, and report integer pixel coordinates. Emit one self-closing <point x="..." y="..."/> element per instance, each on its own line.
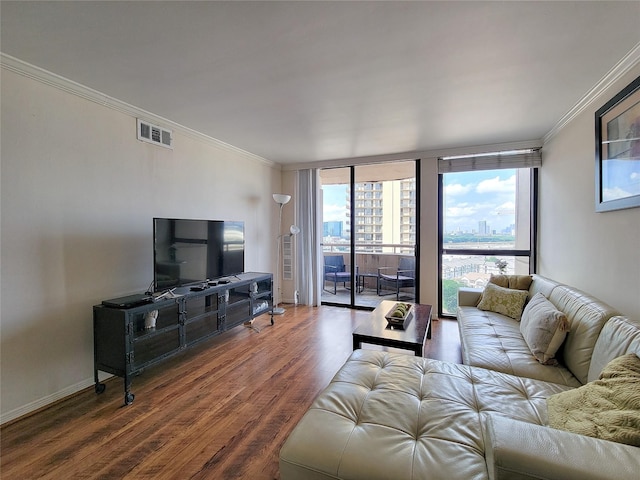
<point x="376" y="330"/>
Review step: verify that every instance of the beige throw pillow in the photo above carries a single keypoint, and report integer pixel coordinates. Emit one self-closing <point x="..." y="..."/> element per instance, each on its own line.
<point x="544" y="328"/>
<point x="506" y="301"/>
<point x="607" y="408"/>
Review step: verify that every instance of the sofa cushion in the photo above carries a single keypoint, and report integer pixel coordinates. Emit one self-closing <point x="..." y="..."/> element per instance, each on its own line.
<point x="607" y="408"/>
<point x="517" y="282"/>
<point x="506" y="301"/>
<point x="387" y="415"/>
<point x="543" y="328"/>
<point x="493" y="341"/>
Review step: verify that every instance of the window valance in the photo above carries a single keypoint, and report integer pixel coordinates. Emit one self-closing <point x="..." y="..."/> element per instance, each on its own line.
<point x="529" y="158"/>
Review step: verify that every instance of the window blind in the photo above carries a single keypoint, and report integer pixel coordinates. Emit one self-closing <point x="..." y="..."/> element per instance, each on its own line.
<point x="530" y="158"/>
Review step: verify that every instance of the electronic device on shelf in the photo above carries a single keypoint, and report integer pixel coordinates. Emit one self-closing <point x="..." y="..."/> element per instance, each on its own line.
<point x="191" y="251"/>
<point x="128" y="301"/>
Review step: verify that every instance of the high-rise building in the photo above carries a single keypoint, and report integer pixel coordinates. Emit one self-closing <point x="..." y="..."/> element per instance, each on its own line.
<point x="332" y="229"/>
<point x="368" y="222"/>
<point x="408" y="212"/>
<point x="483" y="228"/>
<point x="385" y="214"/>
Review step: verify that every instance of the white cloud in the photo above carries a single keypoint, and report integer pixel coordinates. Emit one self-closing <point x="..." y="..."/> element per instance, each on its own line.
<point x="461" y="211"/>
<point x="466" y="215"/>
<point x="334" y="213"/>
<point x="495" y="185"/>
<point x="506" y="209"/>
<point x="616" y="193"/>
<point x="457" y="189"/>
<point x="480" y="196"/>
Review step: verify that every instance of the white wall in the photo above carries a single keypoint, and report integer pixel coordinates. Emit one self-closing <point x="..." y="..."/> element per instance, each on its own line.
<point x="596" y="252"/>
<point x="78" y="196"/>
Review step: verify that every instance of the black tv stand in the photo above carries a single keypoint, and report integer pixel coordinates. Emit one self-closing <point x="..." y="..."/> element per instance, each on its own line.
<point x="123" y="346"/>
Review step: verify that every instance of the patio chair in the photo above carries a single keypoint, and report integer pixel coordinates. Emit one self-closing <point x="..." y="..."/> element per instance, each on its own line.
<point x="403" y="277"/>
<point x="335" y="271"/>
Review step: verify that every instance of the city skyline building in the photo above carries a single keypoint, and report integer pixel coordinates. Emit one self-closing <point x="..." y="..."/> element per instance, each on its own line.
<point x="385" y="214"/>
<point x="332" y="229"/>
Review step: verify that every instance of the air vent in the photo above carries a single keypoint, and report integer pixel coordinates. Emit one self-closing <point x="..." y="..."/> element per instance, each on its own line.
<point x="150" y="133"/>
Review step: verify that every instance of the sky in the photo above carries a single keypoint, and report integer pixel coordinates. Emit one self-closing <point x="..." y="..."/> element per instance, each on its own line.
<point x="335" y="203"/>
<point x="470" y="197"/>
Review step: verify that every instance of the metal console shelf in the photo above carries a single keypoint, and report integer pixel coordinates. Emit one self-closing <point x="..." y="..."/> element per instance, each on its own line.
<point x="124" y="347"/>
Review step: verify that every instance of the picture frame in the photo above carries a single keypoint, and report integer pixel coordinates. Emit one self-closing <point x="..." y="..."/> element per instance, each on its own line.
<point x="618" y="151"/>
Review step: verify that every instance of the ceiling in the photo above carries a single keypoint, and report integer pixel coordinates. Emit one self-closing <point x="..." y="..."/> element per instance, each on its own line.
<point x="297" y="82"/>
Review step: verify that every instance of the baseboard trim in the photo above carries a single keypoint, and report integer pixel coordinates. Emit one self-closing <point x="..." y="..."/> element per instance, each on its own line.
<point x="44" y="402"/>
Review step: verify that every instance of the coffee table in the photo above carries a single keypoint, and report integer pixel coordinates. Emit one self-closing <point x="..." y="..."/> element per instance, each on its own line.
<point x="376" y="330"/>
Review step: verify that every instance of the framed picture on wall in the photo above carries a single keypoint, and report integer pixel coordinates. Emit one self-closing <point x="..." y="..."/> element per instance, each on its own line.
<point x="618" y="151"/>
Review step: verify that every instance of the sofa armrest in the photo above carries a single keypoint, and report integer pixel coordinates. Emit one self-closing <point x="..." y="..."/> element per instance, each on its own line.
<point x="519" y="450"/>
<point x="469" y="297"/>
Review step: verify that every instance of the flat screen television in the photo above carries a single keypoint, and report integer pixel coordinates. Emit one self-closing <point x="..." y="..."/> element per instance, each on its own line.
<point x="192" y="251"/>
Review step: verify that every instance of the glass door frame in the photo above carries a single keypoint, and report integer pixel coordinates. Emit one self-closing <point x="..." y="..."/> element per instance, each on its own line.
<point x="352" y="239"/>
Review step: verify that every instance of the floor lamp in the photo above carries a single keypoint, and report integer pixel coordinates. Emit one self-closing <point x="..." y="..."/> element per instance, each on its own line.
<point x="281" y="199"/>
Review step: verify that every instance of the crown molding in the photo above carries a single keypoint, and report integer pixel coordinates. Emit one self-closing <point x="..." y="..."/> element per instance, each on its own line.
<point x="41" y="75"/>
<point x="628" y="62"/>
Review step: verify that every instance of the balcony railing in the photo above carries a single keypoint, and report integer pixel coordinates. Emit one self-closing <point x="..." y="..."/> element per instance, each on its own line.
<point x="387" y="248"/>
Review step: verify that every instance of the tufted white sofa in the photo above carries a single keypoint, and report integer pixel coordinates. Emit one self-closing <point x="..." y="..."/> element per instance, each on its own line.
<point x="393" y="416"/>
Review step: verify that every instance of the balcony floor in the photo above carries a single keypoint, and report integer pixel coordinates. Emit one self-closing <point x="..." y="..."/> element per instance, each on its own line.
<point x="368" y="298"/>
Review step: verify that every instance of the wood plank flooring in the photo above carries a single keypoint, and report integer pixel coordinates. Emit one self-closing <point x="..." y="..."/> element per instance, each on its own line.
<point x="219" y="411"/>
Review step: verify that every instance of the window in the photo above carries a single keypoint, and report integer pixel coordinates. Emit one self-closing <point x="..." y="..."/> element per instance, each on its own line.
<point x="487" y="226"/>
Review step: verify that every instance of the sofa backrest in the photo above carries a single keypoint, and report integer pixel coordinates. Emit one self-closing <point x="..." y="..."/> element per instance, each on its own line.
<point x="542" y="285"/>
<point x="587" y="316"/>
<point x="619" y="336"/>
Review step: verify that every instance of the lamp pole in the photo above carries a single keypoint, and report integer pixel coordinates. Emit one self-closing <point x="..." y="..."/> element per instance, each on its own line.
<point x="276" y="309"/>
<point x="281" y="199"/>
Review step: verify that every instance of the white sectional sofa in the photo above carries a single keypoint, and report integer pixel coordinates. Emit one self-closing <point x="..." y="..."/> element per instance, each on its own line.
<point x="494" y="341"/>
<point x="393" y="416"/>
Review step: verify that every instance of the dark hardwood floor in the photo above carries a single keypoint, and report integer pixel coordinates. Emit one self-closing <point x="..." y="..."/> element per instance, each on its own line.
<point x="219" y="411"/>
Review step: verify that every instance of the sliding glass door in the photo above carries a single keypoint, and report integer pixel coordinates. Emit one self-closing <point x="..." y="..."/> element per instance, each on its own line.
<point x="337" y="271"/>
<point x="370" y="215"/>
